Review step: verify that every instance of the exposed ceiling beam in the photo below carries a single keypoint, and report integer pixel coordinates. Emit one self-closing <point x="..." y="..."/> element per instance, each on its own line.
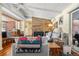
<point x="43" y="9"/>
<point x="4" y="7"/>
<point x="26" y="10"/>
<point x="11" y="14"/>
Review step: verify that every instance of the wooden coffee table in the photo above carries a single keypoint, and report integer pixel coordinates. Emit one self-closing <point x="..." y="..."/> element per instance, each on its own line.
<point x="54" y="49"/>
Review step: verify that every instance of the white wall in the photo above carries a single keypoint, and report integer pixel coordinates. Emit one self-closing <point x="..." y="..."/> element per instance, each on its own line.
<point x="65" y="26"/>
<point x="18" y="25"/>
<point x="65" y="15"/>
<point x="67" y="22"/>
<point x="22" y="25"/>
<point x="28" y="27"/>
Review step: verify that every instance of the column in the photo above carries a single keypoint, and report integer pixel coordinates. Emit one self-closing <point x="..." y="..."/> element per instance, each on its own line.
<point x="0" y="29"/>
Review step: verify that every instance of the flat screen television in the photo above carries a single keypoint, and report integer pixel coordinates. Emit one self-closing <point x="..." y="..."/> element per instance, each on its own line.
<point x="38" y="33"/>
<point x="4" y="34"/>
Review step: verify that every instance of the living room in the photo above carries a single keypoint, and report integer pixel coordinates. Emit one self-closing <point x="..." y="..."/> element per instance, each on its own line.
<point x="36" y="30"/>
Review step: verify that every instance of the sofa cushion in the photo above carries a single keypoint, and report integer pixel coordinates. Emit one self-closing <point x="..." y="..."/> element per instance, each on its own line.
<point x="23" y="38"/>
<point x="24" y="42"/>
<point x="36" y="42"/>
<point x="38" y="38"/>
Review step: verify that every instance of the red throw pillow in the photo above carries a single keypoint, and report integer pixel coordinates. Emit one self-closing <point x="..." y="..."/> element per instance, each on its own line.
<point x="23" y="38"/>
<point x="38" y="38"/>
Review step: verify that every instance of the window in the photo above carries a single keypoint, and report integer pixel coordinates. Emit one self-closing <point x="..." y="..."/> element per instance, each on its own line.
<point x="4" y="25"/>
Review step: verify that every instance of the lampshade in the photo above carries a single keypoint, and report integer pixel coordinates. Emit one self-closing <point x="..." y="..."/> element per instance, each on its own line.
<point x="50" y="25"/>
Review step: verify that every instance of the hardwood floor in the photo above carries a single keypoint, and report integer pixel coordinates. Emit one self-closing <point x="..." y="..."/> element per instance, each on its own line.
<point x="6" y="49"/>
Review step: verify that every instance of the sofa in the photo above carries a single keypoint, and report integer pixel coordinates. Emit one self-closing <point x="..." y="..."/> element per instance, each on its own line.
<point x="26" y="45"/>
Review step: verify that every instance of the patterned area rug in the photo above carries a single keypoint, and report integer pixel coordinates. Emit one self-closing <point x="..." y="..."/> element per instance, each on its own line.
<point x="44" y="52"/>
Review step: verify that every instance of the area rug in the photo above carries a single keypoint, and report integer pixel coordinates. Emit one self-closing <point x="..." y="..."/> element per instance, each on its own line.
<point x="44" y="52"/>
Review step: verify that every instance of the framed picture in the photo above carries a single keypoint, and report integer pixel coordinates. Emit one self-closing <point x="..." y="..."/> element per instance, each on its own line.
<point x="61" y="20"/>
